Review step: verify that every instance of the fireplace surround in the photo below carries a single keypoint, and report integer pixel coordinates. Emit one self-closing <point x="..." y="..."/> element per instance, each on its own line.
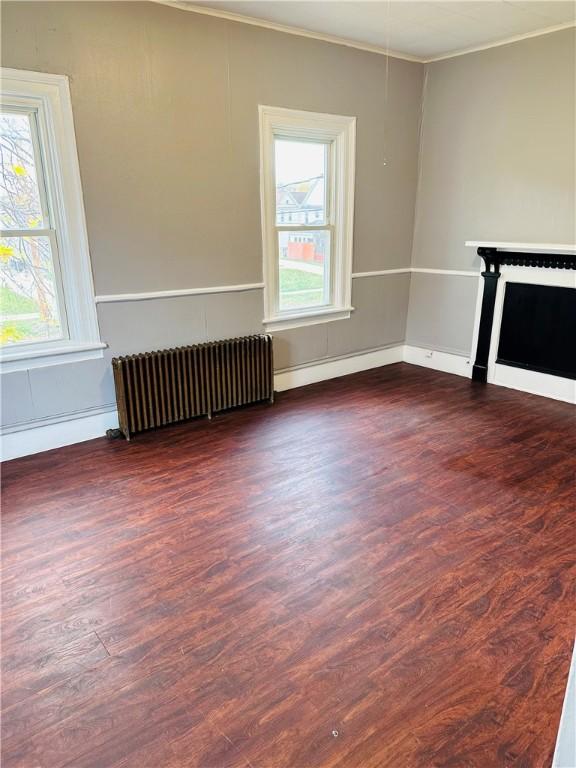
<point x="525" y="332"/>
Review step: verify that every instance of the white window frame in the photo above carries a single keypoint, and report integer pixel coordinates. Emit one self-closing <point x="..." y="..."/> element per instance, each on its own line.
<point x="340" y="132"/>
<point x="48" y="96"/>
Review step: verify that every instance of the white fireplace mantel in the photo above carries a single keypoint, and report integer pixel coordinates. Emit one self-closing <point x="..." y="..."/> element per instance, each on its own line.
<point x="553" y="248"/>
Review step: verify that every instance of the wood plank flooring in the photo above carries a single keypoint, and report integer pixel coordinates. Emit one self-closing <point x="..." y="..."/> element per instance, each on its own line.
<point x="377" y="571"/>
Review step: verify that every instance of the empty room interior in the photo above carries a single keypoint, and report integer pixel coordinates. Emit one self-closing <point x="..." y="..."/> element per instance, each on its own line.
<point x="288" y="378"/>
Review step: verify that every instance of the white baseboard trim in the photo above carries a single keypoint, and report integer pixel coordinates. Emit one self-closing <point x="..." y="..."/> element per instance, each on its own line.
<point x="446" y="362"/>
<point x="535" y="383"/>
<point x="32" y="439"/>
<point x="532" y="382"/>
<point x="35" y="437"/>
<point x="331" y="369"/>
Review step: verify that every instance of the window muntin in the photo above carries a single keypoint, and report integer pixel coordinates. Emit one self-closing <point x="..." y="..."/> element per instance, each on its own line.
<point x="307" y="188"/>
<point x="31" y="297"/>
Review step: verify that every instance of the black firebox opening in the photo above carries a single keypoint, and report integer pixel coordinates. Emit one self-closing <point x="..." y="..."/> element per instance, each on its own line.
<point x="538" y="329"/>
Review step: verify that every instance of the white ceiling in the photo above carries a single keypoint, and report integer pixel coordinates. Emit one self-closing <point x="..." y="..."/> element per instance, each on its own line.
<point x="421" y="29"/>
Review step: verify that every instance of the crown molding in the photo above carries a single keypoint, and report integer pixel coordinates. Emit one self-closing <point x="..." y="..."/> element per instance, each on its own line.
<point x="289" y="30"/>
<point x="498" y="43"/>
<point x="334" y="39"/>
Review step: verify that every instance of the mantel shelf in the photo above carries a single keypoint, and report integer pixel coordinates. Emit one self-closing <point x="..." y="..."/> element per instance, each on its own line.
<point x="550" y="248"/>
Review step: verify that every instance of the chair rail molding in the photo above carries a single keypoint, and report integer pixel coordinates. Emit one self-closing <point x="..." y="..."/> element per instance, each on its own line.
<point x="109" y="298"/>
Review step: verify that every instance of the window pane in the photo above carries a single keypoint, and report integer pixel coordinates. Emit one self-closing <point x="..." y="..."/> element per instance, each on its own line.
<point x="20" y="206"/>
<point x="304" y="269"/>
<point x="300" y="182"/>
<point x="28" y="299"/>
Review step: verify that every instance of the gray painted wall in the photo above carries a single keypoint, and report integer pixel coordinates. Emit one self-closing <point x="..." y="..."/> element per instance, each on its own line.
<point x="497" y="162"/>
<point x="165" y="110"/>
<point x="441" y="312"/>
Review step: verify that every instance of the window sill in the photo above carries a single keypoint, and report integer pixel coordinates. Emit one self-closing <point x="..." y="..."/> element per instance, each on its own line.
<point x="326" y="315"/>
<point x="55" y="354"/>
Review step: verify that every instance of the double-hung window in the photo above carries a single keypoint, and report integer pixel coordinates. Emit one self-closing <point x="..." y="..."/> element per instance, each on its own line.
<point x="47" y="310"/>
<point x="307" y="193"/>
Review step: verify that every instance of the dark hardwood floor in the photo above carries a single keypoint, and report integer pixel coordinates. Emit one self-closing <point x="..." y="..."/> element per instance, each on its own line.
<point x="375" y="572"/>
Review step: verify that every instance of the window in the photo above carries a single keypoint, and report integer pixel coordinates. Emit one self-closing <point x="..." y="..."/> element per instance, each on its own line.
<point x="307" y="190"/>
<point x="47" y="305"/>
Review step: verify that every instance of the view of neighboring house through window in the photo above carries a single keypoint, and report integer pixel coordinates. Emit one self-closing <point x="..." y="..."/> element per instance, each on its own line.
<point x="30" y="305"/>
<point x="301" y="169"/>
<point x="307" y="189"/>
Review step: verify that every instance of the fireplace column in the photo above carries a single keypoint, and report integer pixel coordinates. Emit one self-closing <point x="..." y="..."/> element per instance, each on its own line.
<point x="491" y="275"/>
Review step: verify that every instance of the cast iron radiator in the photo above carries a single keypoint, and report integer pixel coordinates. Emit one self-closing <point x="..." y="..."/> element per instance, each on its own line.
<point x="157" y="388"/>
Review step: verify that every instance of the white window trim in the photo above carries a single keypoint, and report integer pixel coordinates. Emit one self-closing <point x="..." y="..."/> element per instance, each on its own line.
<point x="341" y="130"/>
<point x="51" y="95"/>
